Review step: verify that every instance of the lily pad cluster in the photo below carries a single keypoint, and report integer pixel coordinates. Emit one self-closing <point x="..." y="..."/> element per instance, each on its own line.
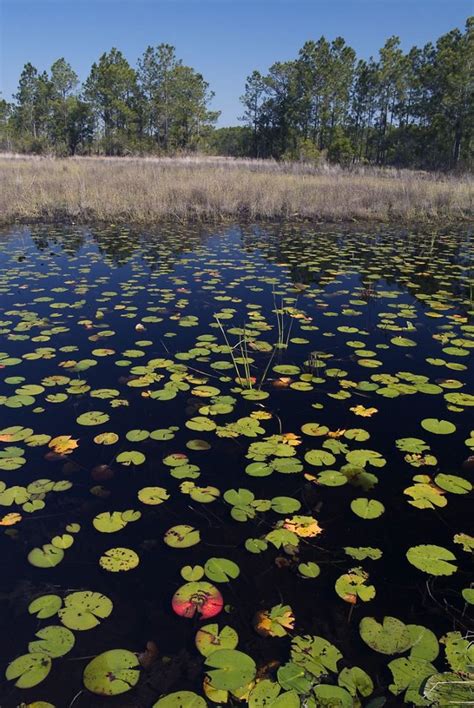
<point x="252" y="442"/>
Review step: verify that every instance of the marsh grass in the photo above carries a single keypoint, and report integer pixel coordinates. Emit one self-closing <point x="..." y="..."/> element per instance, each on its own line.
<point x="146" y="190"/>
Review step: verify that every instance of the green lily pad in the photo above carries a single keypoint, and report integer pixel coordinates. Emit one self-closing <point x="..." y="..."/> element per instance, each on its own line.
<point x="363" y="553"/>
<point x="181" y="699"/>
<point x="131" y="457"/>
<point x="93" y="418"/>
<point x="452" y="483"/>
<point x="291" y="676"/>
<point x="29" y="670"/>
<point x="353" y="586"/>
<point x="356" y="681"/>
<point x="45" y="606"/>
<point x="318" y="458"/>
<point x="438" y="427"/>
<point x="367" y="508"/>
<point x="424" y="644"/>
<point x="309" y="570"/>
<point x="390" y="637"/>
<point x="153" y="495"/>
<point x="117" y="560"/>
<point x="221" y="570"/>
<point x="333" y="696"/>
<point x="112" y="672"/>
<point x="84" y="610"/>
<point x="431" y="559"/>
<point x="230" y="669"/>
<point x="46" y="557"/>
<point x="182" y="536"/>
<point x="53" y="640"/>
<point x="209" y="639"/>
<point x="408" y="675"/>
<point x="459" y="651"/>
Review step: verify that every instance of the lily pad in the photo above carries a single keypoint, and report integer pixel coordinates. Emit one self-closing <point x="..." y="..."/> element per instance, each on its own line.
<point x="182" y="536"/>
<point x="93" y="418"/>
<point x="431" y="559"/>
<point x="389" y="637"/>
<point x="181" y="699"/>
<point x="84" y="609"/>
<point x="438" y="427"/>
<point x="53" y="640"/>
<point x="112" y="672"/>
<point x="199" y="597"/>
<point x="230" y="669"/>
<point x="209" y="639"/>
<point x="367" y="508"/>
<point x="117" y="560"/>
<point x="29" y="670"/>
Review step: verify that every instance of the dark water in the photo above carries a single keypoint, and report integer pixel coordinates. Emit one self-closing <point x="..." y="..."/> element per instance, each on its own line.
<point x="371" y="320"/>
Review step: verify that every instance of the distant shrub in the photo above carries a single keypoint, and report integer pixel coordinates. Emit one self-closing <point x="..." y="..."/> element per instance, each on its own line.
<point x="340" y="149"/>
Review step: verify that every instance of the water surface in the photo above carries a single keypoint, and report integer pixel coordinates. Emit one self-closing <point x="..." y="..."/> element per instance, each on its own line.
<point x="188" y="348"/>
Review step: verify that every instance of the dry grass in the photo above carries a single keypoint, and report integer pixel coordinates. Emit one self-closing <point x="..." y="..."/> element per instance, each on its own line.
<point x="145" y="190"/>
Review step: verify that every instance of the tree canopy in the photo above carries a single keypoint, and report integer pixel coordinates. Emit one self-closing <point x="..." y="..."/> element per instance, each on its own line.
<point x="407" y="109"/>
<point x="404" y="109"/>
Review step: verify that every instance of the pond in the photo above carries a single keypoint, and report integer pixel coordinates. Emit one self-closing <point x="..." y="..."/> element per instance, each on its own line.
<point x="235" y="466"/>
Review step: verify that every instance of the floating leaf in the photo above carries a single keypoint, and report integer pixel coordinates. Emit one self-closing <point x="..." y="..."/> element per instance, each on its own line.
<point x="453" y="484"/>
<point x="84" y="609"/>
<point x="209" y="639"/>
<point x="221" y="570"/>
<point x="309" y="570"/>
<point x="390" y="637"/>
<point x="367" y="508"/>
<point x="315" y="654"/>
<point x="459" y="651"/>
<point x="153" y="495"/>
<point x="92" y="418"/>
<point x="353" y="586"/>
<point x="438" y="427"/>
<point x="45" y="606"/>
<point x="431" y="559"/>
<point x="52" y="640"/>
<point x="356" y="681"/>
<point x="328" y="695"/>
<point x="408" y="675"/>
<point x="181" y="699"/>
<point x="131" y="457"/>
<point x="274" y="622"/>
<point x="112" y="672"/>
<point x="116" y="560"/>
<point x="363" y="553"/>
<point x="181" y="536"/>
<point x="197" y="597"/>
<point x="230" y="669"/>
<point x="45" y="557"/>
<point x="29" y="670"/>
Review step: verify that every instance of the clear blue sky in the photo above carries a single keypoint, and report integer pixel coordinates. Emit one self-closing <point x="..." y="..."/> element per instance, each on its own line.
<point x="223" y="39"/>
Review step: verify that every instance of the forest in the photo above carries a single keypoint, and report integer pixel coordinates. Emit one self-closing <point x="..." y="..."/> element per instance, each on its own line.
<point x="404" y="109"/>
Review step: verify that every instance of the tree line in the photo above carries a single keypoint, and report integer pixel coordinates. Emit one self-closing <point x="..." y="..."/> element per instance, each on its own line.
<point x="408" y="109"/>
<point x="161" y="106"/>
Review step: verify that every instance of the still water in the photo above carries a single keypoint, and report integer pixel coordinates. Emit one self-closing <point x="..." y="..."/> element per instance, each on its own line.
<point x="226" y="455"/>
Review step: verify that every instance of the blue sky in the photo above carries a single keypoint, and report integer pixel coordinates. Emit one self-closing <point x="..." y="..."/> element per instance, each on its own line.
<point x="223" y="39"/>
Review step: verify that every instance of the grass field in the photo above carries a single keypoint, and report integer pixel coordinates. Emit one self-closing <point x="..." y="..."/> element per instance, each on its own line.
<point x="146" y="190"/>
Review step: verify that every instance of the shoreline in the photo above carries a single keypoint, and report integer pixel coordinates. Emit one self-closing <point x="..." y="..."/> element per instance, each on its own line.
<point x="207" y="190"/>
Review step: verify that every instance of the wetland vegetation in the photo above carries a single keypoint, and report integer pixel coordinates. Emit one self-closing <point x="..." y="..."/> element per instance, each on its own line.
<point x="150" y="190"/>
<point x="236" y="464"/>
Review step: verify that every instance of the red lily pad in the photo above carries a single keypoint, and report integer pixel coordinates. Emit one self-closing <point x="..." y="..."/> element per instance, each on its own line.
<point x="201" y="597"/>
